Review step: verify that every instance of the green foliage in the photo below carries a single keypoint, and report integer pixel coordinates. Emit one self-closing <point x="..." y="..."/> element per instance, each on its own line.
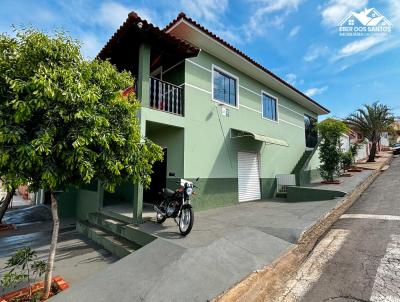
<point x="354" y="149"/>
<point x="23" y="267"/>
<point x="371" y="121"/>
<point x="346" y="159"/>
<point x="63" y="120"/>
<point x="330" y="131"/>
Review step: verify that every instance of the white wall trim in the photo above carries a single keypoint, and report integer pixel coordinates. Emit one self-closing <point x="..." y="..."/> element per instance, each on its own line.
<point x="249" y="90"/>
<point x="195" y="87"/>
<point x="287" y="108"/>
<point x="244" y="106"/>
<point x="289" y="123"/>
<point x="252" y="109"/>
<point x="245" y="88"/>
<point x="198" y="65"/>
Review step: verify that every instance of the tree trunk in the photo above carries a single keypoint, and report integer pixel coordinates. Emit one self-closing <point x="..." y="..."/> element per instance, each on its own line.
<point x="6" y="203"/>
<point x="372" y="152"/>
<point x="53" y="247"/>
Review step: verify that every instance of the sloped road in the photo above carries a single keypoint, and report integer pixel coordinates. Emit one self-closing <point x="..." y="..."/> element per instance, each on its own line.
<point x="359" y="257"/>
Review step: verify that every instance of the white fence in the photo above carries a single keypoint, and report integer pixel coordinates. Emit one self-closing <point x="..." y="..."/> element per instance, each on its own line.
<point x="285" y="180"/>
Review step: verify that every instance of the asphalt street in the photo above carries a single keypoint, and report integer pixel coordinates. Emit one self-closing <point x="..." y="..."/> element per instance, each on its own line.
<point x="359" y="257"/>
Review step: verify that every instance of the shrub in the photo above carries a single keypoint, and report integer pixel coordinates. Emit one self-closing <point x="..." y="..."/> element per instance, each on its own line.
<point x="23" y="266"/>
<point x="330" y="131"/>
<point x="346" y="160"/>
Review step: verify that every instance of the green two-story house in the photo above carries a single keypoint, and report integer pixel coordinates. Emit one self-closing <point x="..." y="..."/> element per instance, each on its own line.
<point x="218" y="114"/>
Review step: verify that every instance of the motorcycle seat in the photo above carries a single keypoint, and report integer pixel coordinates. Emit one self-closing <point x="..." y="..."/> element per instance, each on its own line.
<point x="168" y="192"/>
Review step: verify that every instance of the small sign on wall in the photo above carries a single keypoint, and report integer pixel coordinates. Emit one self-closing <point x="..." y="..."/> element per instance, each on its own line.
<point x="225" y="111"/>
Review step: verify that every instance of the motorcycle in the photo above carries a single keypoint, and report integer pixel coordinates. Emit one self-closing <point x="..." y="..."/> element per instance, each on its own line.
<point x="176" y="204"/>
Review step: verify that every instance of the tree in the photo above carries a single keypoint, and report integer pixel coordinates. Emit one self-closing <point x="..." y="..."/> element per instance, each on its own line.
<point x="5" y="202"/>
<point x="64" y="122"/>
<point x="330" y="131"/>
<point x="23" y="266"/>
<point x="371" y="121"/>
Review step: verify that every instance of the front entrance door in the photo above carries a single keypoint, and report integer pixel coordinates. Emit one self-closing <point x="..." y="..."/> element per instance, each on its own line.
<point x="248" y="176"/>
<point x="158" y="180"/>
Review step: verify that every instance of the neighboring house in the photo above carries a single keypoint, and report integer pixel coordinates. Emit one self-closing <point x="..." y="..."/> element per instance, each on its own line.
<point x="345" y="142"/>
<point x="384" y="143"/>
<point x="394" y="136"/>
<point x="353" y="137"/>
<point x="218" y="114"/>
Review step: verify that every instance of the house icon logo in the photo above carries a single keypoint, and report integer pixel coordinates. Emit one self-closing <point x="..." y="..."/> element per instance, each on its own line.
<point x="367" y="22"/>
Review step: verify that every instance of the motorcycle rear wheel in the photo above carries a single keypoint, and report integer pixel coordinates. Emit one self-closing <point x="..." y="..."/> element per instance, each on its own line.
<point x="186" y="220"/>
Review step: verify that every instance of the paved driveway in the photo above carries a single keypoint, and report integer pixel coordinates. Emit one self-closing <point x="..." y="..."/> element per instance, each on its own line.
<point x="276" y="218"/>
<point x="225" y="245"/>
<point x="77" y="257"/>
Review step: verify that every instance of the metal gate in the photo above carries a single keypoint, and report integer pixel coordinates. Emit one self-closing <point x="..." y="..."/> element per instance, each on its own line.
<point x="248" y="176"/>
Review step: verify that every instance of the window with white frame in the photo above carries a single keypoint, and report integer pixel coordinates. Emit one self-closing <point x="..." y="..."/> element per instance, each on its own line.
<point x="224" y="88"/>
<point x="269" y="107"/>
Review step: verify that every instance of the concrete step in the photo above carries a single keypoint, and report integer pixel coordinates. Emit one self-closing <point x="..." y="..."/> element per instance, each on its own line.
<point x="125" y="230"/>
<point x="115" y="244"/>
<point x="281" y="195"/>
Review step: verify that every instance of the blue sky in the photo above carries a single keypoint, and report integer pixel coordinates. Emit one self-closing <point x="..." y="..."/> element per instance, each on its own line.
<point x="296" y="39"/>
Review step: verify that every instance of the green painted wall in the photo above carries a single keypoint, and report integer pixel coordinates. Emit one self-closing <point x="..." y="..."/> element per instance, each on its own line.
<point x="209" y="152"/>
<point x="123" y="194"/>
<point x="67" y="203"/>
<point x="203" y="147"/>
<point x="311" y="172"/>
<point x="87" y="202"/>
<point x="171" y="138"/>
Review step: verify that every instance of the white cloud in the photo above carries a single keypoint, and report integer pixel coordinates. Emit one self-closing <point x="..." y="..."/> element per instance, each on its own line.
<point x="335" y="10"/>
<point x="91" y="46"/>
<point x="269" y="13"/>
<point x="208" y="10"/>
<point x="394" y="10"/>
<point x="360" y="45"/>
<point x="112" y="14"/>
<point x="294" y="31"/>
<point x="316" y="51"/>
<point x="315" y="91"/>
<point x="291" y="78"/>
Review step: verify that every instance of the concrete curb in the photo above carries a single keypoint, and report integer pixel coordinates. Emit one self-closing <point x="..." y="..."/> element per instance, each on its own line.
<point x="266" y="284"/>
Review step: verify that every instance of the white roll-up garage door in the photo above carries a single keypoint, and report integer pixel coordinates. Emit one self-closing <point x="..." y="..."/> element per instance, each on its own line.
<point x="248" y="176"/>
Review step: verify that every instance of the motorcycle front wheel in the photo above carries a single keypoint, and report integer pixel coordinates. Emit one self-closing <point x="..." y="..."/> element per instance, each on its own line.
<point x="186" y="220"/>
<point x="160" y="218"/>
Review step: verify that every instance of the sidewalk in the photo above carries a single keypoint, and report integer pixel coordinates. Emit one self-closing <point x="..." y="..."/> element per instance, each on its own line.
<point x="225" y="245"/>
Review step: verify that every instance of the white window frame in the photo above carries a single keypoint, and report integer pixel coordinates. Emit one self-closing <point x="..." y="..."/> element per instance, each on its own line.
<point x="215" y="67"/>
<point x="263" y="92"/>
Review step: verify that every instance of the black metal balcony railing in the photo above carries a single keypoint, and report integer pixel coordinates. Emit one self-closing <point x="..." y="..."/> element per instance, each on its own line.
<point x="166" y="97"/>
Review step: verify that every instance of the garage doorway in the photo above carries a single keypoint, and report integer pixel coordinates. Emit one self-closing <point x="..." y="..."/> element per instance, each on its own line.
<point x="248" y="176"/>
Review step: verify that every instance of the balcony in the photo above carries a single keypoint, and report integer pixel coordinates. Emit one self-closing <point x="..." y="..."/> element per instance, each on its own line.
<point x="166" y="97"/>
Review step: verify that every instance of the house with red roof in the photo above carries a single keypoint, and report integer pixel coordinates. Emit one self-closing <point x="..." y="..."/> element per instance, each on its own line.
<point x="219" y="115"/>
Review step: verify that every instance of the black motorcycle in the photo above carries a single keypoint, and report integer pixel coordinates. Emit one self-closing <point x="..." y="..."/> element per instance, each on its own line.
<point x="176" y="204"/>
